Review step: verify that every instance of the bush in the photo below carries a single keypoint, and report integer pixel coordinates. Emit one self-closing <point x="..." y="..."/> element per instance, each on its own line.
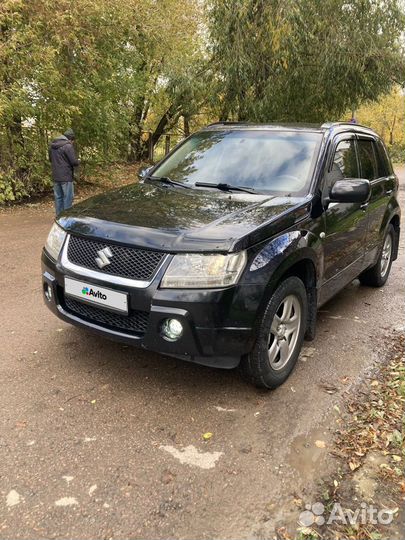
<point x="16" y="186"/>
<point x="11" y="189"/>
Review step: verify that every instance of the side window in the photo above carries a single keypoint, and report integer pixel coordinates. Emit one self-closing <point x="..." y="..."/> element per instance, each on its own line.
<point x="383" y="162"/>
<point x="368" y="164"/>
<point x="344" y="163"/>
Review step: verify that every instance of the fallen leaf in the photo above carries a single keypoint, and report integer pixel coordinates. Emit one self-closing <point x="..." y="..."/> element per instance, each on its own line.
<point x="308" y="532"/>
<point x="320" y="444"/>
<point x="207" y="436"/>
<point x="329" y="388"/>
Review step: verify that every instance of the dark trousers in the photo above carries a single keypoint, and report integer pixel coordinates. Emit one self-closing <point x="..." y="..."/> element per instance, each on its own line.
<point x="64" y="193"/>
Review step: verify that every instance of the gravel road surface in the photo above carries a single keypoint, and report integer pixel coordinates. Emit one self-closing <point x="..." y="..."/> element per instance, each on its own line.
<point x="99" y="440"/>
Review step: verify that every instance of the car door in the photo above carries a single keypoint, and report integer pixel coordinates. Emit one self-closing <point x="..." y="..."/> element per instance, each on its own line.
<point x="375" y="168"/>
<point x="345" y="223"/>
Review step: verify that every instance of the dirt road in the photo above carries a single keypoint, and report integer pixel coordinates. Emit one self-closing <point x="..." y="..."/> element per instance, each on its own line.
<point x="99" y="440"/>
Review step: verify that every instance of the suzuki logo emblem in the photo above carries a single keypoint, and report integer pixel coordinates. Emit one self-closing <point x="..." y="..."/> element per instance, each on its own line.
<point x="104" y="256"/>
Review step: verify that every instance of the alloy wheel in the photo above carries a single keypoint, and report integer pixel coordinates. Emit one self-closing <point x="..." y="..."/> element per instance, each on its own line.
<point x="284" y="332"/>
<point x="386" y="255"/>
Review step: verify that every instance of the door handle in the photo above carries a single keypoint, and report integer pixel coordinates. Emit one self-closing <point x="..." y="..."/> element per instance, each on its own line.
<point x="364" y="206"/>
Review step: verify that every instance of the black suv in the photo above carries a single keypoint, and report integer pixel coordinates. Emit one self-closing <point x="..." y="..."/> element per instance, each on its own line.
<point x="223" y="252"/>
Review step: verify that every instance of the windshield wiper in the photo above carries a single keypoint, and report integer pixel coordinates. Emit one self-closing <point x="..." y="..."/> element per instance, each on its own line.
<point x="169" y="181"/>
<point x="225" y="187"/>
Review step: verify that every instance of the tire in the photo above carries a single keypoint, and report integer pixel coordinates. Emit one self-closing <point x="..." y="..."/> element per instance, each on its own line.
<point x="277" y="346"/>
<point x="377" y="275"/>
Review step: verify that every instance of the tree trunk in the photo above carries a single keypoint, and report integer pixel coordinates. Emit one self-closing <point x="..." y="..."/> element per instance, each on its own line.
<point x="392" y="130"/>
<point x="186" y="125"/>
<point x="224" y="113"/>
<point x="135" y="135"/>
<point x="171" y="115"/>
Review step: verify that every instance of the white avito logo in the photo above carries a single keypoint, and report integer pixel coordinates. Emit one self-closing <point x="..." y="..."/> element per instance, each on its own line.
<point x="312" y="514"/>
<point x="315" y="515"/>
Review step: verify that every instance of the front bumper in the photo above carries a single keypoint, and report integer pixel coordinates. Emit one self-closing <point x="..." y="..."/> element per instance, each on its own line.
<point x="217" y="326"/>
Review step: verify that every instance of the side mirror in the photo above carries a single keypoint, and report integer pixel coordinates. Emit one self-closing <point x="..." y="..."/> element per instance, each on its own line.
<point x="350" y="190"/>
<point x="143" y="173"/>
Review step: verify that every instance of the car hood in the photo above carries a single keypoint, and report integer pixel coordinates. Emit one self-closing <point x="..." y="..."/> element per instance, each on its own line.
<point x="172" y="218"/>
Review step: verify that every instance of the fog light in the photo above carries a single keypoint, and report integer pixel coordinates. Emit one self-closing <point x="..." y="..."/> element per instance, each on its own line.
<point x="172" y="329"/>
<point x="48" y="292"/>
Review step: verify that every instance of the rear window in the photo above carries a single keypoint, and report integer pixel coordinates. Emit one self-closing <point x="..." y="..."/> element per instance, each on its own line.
<point x="367" y="159"/>
<point x="383" y="162"/>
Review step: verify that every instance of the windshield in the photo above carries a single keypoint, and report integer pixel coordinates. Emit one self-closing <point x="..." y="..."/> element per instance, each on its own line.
<point x="279" y="162"/>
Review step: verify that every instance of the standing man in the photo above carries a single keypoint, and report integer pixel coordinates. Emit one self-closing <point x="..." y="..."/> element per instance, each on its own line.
<point x="63" y="160"/>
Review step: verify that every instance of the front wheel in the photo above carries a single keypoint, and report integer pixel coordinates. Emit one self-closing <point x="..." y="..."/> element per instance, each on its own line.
<point x="280" y="336"/>
<point x="377" y="275"/>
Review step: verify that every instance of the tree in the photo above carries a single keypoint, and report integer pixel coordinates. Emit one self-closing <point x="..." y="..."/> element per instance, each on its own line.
<point x="288" y="60"/>
<point x="172" y="53"/>
<point x="63" y="64"/>
<point x="386" y="116"/>
<point x="101" y="66"/>
<point x="112" y="69"/>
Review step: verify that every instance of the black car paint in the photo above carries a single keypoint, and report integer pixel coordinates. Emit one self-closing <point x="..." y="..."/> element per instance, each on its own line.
<point x="157" y="216"/>
<point x="279" y="233"/>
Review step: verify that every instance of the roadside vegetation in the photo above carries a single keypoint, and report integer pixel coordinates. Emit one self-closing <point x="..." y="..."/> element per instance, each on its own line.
<point x="370" y="453"/>
<point x="125" y="73"/>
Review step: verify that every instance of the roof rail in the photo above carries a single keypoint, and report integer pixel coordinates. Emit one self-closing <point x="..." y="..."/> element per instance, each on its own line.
<point x="227" y="123"/>
<point x="328" y="125"/>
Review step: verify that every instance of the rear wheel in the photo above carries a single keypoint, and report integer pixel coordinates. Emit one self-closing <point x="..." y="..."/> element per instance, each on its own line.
<point x="280" y="336"/>
<point x="377" y="275"/>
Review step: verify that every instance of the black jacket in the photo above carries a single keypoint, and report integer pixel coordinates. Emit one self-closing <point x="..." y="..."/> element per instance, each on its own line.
<point x="63" y="159"/>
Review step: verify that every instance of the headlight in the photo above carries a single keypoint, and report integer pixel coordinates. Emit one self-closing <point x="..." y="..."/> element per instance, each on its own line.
<point x="195" y="271"/>
<point x="55" y="240"/>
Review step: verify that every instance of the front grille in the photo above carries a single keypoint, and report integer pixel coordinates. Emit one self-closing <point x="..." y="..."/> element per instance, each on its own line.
<point x="136" y="322"/>
<point x="131" y="263"/>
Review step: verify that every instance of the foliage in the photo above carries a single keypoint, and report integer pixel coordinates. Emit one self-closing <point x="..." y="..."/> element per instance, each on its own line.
<point x="88" y="64"/>
<point x="387" y="117"/>
<point x="112" y="69"/>
<point x="368" y="445"/>
<point x="283" y="60"/>
<point x="371" y="426"/>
